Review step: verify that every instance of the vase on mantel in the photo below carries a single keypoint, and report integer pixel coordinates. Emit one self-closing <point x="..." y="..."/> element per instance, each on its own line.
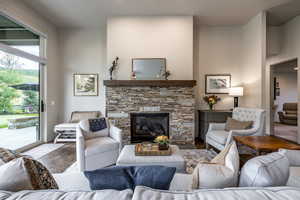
<point x="211" y="107"/>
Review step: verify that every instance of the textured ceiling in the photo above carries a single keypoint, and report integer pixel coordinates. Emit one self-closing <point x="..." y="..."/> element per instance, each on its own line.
<point x="93" y="13"/>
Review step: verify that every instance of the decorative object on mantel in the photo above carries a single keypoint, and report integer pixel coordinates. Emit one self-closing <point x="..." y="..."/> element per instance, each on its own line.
<point x="133" y="76"/>
<point x="211" y="100"/>
<point x="149" y="68"/>
<point x="236" y="92"/>
<point x="163" y="142"/>
<point x="113" y="67"/>
<point x="167" y="74"/>
<point x="217" y="83"/>
<point x="85" y="84"/>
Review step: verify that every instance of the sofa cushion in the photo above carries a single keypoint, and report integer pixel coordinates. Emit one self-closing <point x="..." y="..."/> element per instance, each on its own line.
<point x="25" y="174"/>
<point x="77" y="116"/>
<point x="232" y="124"/>
<point x="221" y="172"/>
<point x="280" y="193"/>
<point x="292" y="156"/>
<point x="7" y="155"/>
<point x="100" y="145"/>
<point x="265" y="171"/>
<point x="88" y="134"/>
<point x="218" y="136"/>
<point x="8" y="174"/>
<point x="291" y="116"/>
<point x="294" y="179"/>
<point x="291" y="112"/>
<point x="71" y="195"/>
<point x="74" y="181"/>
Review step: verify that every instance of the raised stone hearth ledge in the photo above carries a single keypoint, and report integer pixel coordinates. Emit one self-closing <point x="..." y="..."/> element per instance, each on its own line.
<point x="151" y="83"/>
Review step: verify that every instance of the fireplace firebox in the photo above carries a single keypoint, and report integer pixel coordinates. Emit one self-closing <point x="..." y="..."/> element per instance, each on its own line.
<point x="145" y="127"/>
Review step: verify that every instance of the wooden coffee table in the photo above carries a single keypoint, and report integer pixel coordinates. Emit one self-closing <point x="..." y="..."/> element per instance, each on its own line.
<point x="266" y="144"/>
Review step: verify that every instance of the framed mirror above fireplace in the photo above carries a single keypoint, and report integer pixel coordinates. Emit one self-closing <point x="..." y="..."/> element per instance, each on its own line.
<point x="149" y="68"/>
<point x="145" y="127"/>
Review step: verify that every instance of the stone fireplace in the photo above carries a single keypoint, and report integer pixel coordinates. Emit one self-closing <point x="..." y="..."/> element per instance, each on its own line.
<point x="145" y="127"/>
<point x="134" y="105"/>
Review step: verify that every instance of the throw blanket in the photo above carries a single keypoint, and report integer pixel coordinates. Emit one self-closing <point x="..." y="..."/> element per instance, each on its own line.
<point x="97" y="124"/>
<point x="128" y="177"/>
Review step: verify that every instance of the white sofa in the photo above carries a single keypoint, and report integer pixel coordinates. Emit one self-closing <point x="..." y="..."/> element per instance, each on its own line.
<point x="217" y="136"/>
<point x="97" y="151"/>
<point x="144" y="193"/>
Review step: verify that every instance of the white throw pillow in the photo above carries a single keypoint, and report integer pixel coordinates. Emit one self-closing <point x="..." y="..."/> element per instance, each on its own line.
<point x="85" y="126"/>
<point x="221" y="172"/>
<point x="14" y="176"/>
<point x="265" y="171"/>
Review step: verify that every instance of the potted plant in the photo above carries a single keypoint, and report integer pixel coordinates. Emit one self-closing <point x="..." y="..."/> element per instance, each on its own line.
<point x="211" y="100"/>
<point x="163" y="142"/>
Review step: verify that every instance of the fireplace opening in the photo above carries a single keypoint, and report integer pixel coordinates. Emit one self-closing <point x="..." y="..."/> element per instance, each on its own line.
<point x="145" y="127"/>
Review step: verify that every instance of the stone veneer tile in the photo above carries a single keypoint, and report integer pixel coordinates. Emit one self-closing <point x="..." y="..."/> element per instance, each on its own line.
<point x="179" y="102"/>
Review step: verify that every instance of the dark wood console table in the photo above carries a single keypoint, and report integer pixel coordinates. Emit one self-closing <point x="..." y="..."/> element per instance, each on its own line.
<point x="211" y="116"/>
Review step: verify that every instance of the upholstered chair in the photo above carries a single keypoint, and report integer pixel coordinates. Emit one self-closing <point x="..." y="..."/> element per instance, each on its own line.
<point x="99" y="149"/>
<point x="218" y="137"/>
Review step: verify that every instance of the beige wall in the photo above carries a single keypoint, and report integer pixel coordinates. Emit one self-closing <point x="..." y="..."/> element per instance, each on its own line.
<point x="152" y="37"/>
<point x="254" y="51"/>
<point x="17" y="10"/>
<point x="290" y="49"/>
<point x="218" y="50"/>
<point x="82" y="51"/>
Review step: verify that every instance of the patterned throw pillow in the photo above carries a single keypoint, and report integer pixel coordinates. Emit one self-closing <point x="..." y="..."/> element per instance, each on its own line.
<point x="41" y="178"/>
<point x="7" y="155"/>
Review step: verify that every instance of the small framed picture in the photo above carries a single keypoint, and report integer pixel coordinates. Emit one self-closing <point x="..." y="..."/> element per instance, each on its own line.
<point x="217" y="83"/>
<point x="85" y="84"/>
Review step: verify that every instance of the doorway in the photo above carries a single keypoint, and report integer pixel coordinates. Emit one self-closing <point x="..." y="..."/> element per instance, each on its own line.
<point x="284" y="99"/>
<point x="21" y="85"/>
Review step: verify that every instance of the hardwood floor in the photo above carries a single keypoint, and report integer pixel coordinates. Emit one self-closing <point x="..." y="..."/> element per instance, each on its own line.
<point x="60" y="159"/>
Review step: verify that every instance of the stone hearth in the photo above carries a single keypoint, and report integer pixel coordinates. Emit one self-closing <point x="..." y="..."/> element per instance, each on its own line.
<point x="178" y="101"/>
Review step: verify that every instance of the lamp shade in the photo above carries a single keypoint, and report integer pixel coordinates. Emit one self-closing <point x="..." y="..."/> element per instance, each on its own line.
<point x="236" y="91"/>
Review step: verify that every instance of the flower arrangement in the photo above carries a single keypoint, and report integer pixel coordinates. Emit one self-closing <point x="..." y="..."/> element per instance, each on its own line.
<point x="211" y="100"/>
<point x="162" y="141"/>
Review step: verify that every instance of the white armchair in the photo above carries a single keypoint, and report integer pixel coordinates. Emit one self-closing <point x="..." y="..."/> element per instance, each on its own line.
<point x="217" y="136"/>
<point x="97" y="150"/>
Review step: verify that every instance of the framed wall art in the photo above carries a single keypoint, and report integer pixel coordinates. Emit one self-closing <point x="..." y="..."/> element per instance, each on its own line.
<point x="85" y="84"/>
<point x="217" y="83"/>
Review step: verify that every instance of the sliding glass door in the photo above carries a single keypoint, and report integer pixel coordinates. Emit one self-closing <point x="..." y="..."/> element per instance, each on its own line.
<point x="21" y="86"/>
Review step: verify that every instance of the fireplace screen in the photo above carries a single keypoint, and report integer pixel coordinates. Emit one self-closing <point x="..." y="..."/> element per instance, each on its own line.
<point x="147" y="126"/>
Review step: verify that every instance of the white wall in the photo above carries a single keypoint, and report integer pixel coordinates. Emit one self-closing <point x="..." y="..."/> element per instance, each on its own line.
<point x="82" y="51"/>
<point x="254" y="55"/>
<point x="17" y="10"/>
<point x="152" y="37"/>
<point x="288" y="90"/>
<point x="218" y="51"/>
<point x="290" y="49"/>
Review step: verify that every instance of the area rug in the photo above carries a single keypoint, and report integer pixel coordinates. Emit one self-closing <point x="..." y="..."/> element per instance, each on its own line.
<point x="42" y="150"/>
<point x="191" y="156"/>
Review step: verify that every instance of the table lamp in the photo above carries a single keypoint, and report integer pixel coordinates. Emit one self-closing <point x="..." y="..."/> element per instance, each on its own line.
<point x="236" y="92"/>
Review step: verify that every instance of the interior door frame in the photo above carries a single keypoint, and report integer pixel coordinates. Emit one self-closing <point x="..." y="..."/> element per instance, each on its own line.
<point x="272" y="131"/>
